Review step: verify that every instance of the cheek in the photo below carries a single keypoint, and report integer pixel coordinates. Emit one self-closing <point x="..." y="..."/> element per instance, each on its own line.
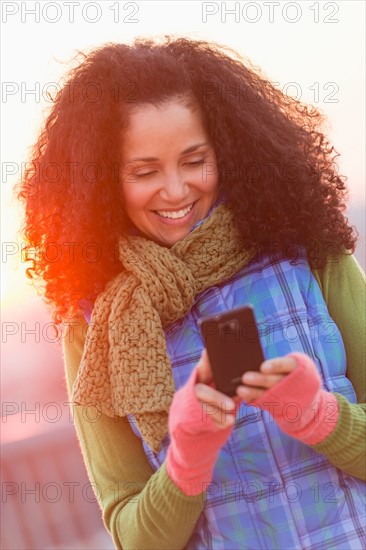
<point x="210" y="183"/>
<point x="209" y="177"/>
<point x="133" y="193"/>
<point x="134" y="198"/>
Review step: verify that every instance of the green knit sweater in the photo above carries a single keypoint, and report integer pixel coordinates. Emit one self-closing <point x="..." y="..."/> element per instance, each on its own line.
<point x="143" y="509"/>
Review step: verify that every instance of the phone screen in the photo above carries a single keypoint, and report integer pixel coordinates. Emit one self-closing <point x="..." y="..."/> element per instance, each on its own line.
<point x="233" y="346"/>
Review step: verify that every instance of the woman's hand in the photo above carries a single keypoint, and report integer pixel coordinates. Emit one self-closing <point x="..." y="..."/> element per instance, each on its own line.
<point x="270" y="373"/>
<point x="288" y="387"/>
<point x="221" y="408"/>
<point x="199" y="425"/>
<point x="290" y="390"/>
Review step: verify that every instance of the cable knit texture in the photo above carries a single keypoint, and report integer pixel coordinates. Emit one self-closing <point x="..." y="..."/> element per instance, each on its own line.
<point x="125" y="368"/>
<point x="299" y="405"/>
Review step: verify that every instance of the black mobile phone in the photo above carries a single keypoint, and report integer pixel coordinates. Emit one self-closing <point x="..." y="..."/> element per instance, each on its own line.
<point x="233" y="346"/>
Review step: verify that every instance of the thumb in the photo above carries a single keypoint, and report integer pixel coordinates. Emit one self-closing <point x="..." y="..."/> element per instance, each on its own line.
<point x="204" y="372"/>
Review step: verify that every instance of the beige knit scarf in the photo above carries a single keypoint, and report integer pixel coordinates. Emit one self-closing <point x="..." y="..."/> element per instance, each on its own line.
<point x="125" y="368"/>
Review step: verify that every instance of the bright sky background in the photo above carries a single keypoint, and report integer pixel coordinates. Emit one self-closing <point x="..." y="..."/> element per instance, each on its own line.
<point x="319" y="46"/>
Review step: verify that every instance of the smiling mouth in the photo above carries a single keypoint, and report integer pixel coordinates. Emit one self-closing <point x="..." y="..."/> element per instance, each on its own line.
<point x="174" y="215"/>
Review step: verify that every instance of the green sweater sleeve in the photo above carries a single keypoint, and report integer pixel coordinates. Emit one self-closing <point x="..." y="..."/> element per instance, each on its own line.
<point x="342" y="283"/>
<point x="140" y="508"/>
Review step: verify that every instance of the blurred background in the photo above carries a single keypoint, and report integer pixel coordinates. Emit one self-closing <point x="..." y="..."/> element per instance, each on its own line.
<point x="312" y="50"/>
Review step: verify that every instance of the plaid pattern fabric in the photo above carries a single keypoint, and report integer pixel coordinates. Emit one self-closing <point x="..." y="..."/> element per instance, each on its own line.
<point x="269" y="490"/>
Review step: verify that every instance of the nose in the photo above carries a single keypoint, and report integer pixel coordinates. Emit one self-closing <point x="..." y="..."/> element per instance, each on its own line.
<point x="175" y="188"/>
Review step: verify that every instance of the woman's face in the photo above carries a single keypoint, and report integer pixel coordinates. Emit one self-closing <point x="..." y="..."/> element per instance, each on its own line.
<point x="169" y="171"/>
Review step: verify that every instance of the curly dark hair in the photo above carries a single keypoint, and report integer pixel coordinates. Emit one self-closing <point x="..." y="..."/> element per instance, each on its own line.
<point x="277" y="168"/>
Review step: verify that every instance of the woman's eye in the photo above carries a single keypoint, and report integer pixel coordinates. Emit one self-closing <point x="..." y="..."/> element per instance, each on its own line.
<point x="145" y="174"/>
<point x="195" y="162"/>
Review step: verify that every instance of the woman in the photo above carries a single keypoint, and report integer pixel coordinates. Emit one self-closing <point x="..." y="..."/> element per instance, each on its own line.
<point x="197" y="187"/>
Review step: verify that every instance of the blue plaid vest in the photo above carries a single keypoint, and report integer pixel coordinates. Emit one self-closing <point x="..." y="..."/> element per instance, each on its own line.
<point x="270" y="491"/>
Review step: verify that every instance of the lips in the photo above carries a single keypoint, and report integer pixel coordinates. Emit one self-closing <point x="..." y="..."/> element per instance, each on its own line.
<point x="178" y="218"/>
<point x="175" y="214"/>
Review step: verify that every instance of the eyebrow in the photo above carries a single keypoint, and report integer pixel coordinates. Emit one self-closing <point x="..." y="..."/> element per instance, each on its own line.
<point x="190" y="149"/>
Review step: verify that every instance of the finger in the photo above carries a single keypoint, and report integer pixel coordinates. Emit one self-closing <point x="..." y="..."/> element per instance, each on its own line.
<point x="211" y="395"/>
<point x="219" y="407"/>
<point x="220" y="417"/>
<point x="218" y="414"/>
<point x="261" y="380"/>
<point x="279" y="365"/>
<point x="245" y="393"/>
<point x="204" y="372"/>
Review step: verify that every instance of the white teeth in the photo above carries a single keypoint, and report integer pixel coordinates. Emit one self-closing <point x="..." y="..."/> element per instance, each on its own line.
<point x="175" y="215"/>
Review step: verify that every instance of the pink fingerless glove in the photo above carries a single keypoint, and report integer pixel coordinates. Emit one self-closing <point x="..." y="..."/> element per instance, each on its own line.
<point x="299" y="406"/>
<point x="195" y="440"/>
